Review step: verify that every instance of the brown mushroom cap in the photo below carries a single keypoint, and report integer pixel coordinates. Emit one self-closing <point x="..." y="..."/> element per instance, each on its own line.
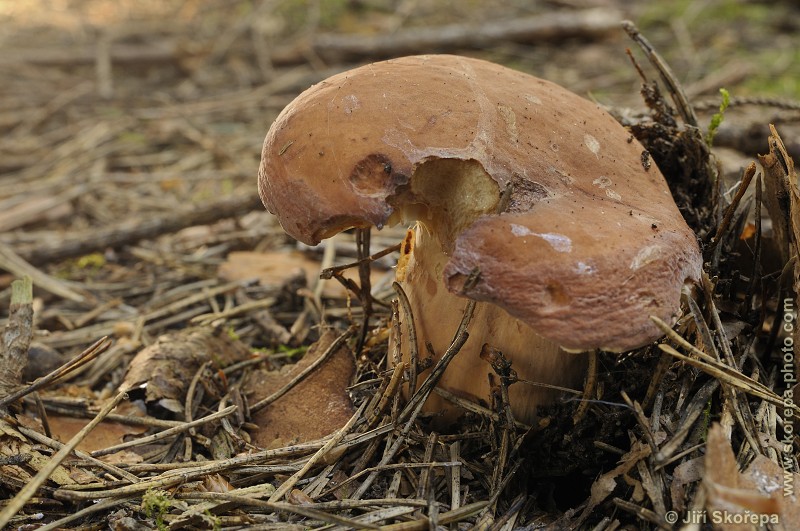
<point x="589" y="242"/>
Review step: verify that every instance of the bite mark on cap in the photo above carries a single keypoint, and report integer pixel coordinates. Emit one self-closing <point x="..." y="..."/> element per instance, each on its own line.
<point x="558" y="242"/>
<point x="645" y="256"/>
<point x="605" y="184"/>
<point x="351" y="103"/>
<point x="373" y="176"/>
<point x="510" y="119"/>
<point x="592" y="143"/>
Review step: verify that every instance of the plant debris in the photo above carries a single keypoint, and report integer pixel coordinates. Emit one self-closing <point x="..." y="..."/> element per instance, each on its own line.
<point x="206" y="372"/>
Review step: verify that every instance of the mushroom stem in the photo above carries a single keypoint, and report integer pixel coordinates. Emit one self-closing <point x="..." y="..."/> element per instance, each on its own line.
<point x="436" y="314"/>
<point x="540" y="190"/>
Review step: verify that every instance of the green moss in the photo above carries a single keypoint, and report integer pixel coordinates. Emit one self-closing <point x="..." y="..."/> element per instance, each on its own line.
<point x="290" y="352"/>
<point x="156" y="503"/>
<point x="92" y="261"/>
<point x="716" y="120"/>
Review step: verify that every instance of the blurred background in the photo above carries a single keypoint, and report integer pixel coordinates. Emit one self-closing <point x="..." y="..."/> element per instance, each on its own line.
<point x="179" y="86"/>
<point x="116" y="112"/>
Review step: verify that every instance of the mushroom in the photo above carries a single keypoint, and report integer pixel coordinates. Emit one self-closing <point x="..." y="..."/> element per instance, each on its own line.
<point x="576" y="237"/>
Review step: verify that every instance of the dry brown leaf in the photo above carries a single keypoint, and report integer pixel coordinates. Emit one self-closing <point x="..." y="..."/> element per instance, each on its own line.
<point x="13" y="443"/>
<point x="749" y="231"/>
<point x="216" y="483"/>
<point x="684" y="474"/>
<point x="736" y="501"/>
<point x="338" y="478"/>
<point x="168" y="365"/>
<point x="298" y="497"/>
<point x="276" y="267"/>
<point x="106" y="434"/>
<point x="606" y="483"/>
<point x="123" y="457"/>
<point x="768" y="477"/>
<point x="316" y="406"/>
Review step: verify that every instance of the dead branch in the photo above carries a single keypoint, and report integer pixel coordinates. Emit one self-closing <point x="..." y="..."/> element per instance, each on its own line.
<point x="552" y="27"/>
<point x="131" y="231"/>
<point x="749" y="137"/>
<point x="151" y="52"/>
<point x="16" y="337"/>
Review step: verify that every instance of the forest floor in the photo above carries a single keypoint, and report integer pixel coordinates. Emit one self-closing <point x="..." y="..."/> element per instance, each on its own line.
<point x="131" y="137"/>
